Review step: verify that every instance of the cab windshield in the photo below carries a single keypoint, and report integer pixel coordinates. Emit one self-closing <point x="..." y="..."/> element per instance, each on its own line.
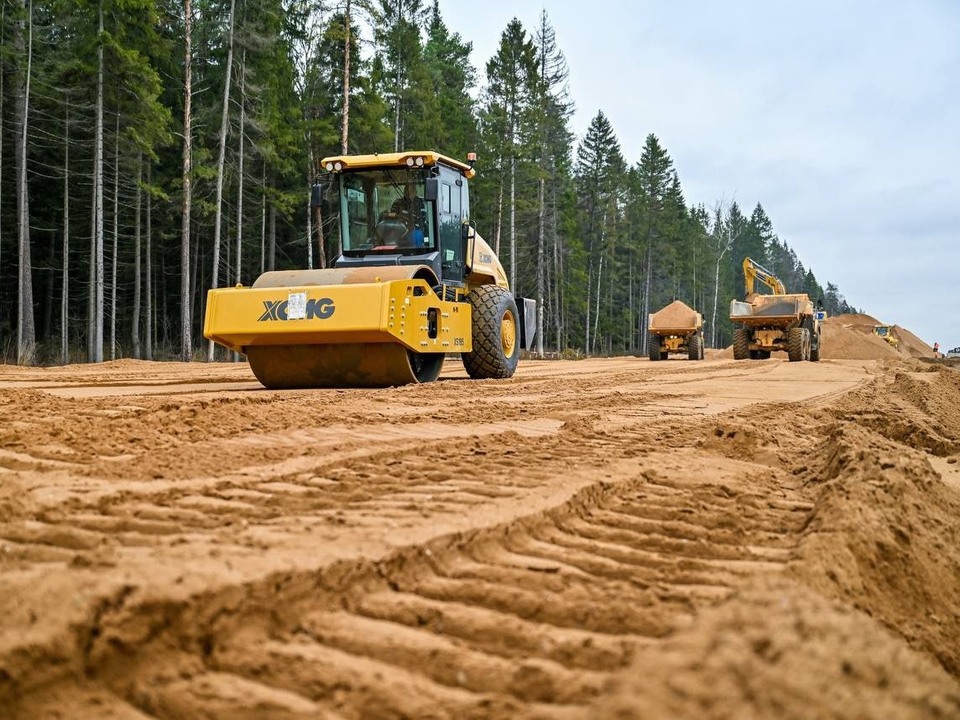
<point x="384" y="210"/>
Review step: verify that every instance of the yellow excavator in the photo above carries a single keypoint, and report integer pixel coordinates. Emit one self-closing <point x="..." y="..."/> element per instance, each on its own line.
<point x="777" y="322"/>
<point x="414" y="282"/>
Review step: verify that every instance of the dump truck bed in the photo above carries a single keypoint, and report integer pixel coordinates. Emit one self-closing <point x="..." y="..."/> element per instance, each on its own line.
<point x="677" y="318"/>
<point x="771" y="310"/>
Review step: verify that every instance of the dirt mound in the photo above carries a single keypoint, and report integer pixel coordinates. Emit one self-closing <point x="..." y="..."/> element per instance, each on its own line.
<point x="911" y="345"/>
<point x="674" y="316"/>
<point x="841" y="340"/>
<point x="781" y="650"/>
<point x="886" y="522"/>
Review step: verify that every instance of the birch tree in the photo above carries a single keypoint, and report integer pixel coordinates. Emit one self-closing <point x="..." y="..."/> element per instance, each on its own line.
<point x="224" y="126"/>
<point x="186" y="331"/>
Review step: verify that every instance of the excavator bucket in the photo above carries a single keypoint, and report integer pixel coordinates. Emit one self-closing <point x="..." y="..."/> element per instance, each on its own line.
<point x="342" y="327"/>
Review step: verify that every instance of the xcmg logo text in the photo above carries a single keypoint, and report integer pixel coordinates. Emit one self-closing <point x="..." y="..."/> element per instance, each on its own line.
<point x="319" y="309"/>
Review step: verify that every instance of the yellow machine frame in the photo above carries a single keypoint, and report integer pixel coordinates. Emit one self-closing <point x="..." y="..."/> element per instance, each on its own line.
<point x="382" y="310"/>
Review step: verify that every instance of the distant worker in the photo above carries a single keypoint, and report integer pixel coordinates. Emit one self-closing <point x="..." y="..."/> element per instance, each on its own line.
<point x="936" y="349"/>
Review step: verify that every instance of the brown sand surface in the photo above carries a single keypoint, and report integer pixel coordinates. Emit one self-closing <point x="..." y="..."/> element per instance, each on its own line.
<point x="595" y="538"/>
<point x="676" y="315"/>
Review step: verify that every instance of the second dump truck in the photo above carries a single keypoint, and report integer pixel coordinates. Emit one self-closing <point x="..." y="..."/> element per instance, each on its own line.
<point x="783" y="321"/>
<point x="677" y="329"/>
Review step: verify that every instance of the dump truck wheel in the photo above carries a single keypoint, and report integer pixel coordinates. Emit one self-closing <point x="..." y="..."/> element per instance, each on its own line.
<point x="798" y="344"/>
<point x="741" y="344"/>
<point x="496" y="334"/>
<point x="653" y="348"/>
<point x="695" y="347"/>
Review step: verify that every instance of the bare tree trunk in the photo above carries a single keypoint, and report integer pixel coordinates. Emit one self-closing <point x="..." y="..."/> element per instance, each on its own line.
<point x="136" y="259"/>
<point x="399" y="88"/>
<point x="716" y="295"/>
<point x="586" y="325"/>
<point x="263" y="221"/>
<point x="630" y="326"/>
<point x="3" y="27"/>
<point x="116" y="234"/>
<point x="151" y="320"/>
<point x="221" y="154"/>
<point x="541" y="280"/>
<point x="26" y="333"/>
<point x="497" y="227"/>
<point x="513" y="224"/>
<point x="272" y="240"/>
<point x="243" y="122"/>
<point x="557" y="273"/>
<point x="315" y="218"/>
<point x="186" y="335"/>
<point x="309" y="207"/>
<point x="65" y="289"/>
<point x="596" y="318"/>
<point x="646" y="297"/>
<point x="98" y="205"/>
<point x="345" y="114"/>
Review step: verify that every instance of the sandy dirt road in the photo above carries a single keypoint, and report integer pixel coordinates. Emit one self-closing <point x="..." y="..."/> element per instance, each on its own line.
<point x="587" y="539"/>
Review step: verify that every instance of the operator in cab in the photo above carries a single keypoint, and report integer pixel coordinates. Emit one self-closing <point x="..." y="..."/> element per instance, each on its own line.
<point x="403" y="225"/>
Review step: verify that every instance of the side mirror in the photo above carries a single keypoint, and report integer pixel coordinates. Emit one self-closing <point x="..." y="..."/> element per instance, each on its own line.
<point x="316" y="195"/>
<point x="467" y="234"/>
<point x="432" y="190"/>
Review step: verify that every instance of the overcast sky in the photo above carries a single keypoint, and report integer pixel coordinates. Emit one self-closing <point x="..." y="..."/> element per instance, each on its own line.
<point x="842" y="117"/>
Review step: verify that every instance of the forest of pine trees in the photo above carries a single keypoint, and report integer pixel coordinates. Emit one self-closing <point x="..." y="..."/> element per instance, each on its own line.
<point x="150" y="150"/>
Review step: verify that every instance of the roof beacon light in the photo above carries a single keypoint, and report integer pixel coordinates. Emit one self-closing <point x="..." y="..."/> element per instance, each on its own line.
<point x="471" y="158"/>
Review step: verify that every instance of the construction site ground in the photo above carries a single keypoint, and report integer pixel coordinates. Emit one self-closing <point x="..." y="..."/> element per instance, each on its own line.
<point x="597" y="538"/>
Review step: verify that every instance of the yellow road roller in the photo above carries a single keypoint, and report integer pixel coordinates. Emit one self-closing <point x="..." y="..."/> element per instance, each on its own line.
<point x="413" y="283"/>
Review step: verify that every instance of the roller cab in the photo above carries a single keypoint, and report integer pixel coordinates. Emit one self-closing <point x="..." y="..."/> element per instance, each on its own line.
<point x="414" y="282"/>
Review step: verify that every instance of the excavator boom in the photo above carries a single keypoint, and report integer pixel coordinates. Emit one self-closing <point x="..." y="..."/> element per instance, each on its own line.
<point x="753" y="271"/>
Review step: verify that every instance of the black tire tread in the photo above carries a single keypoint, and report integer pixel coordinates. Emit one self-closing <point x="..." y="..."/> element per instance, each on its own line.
<point x="741" y="344"/>
<point x="695" y="346"/>
<point x="795" y="343"/>
<point x="653" y="347"/>
<point x="487" y="361"/>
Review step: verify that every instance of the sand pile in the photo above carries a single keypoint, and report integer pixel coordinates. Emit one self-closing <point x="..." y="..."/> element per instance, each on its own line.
<point x="851" y="337"/>
<point x="844" y="340"/>
<point x="676" y="315"/>
<point x="911" y="345"/>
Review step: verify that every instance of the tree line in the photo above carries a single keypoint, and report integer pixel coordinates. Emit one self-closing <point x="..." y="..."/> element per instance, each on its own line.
<point x="151" y="150"/>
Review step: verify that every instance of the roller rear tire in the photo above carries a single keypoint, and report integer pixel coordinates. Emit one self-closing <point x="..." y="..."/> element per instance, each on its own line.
<point x="496" y="334"/>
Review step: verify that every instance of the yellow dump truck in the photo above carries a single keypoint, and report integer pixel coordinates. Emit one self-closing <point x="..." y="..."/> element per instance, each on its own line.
<point x="414" y="282"/>
<point x="783" y="321"/>
<point x="677" y="329"/>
